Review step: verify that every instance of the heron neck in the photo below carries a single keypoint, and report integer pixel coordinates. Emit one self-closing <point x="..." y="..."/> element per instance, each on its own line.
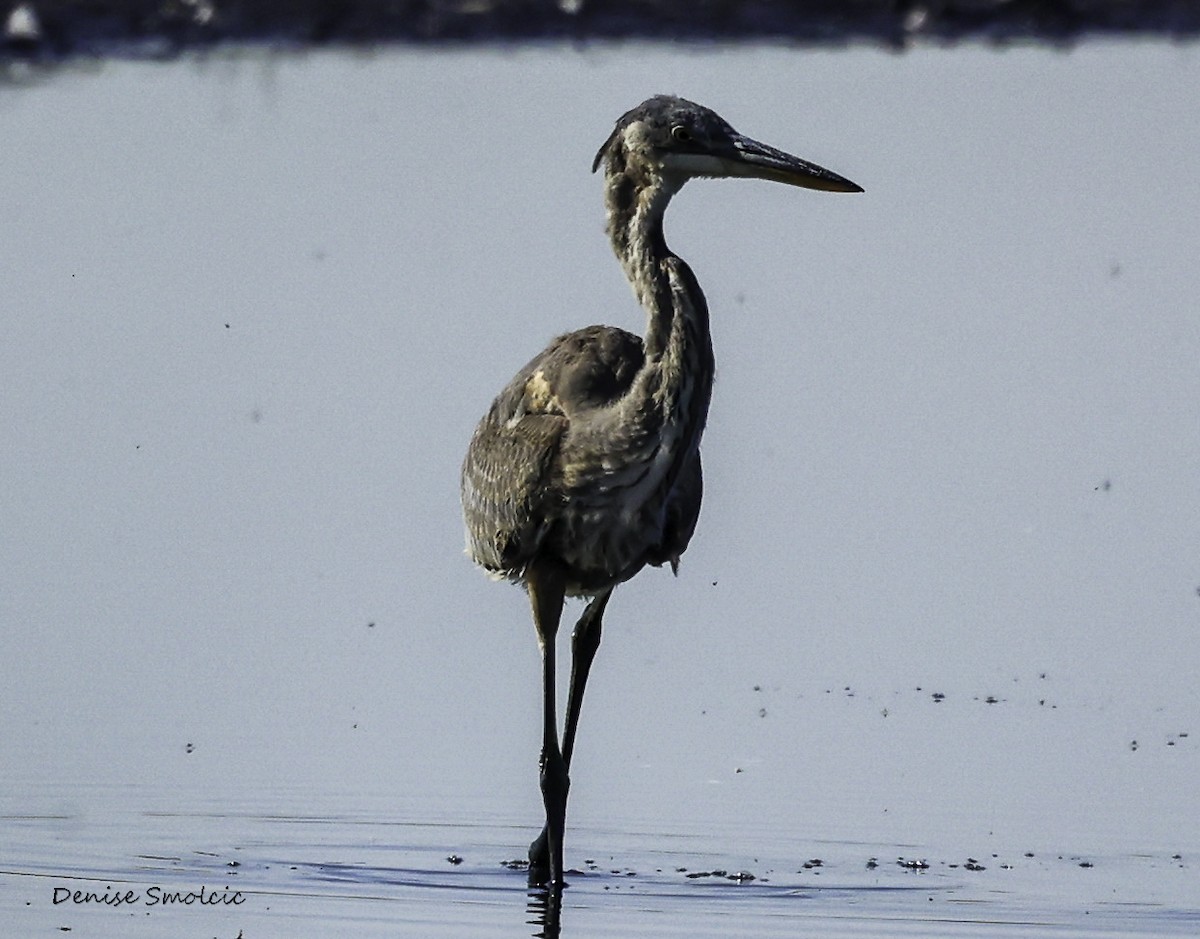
<point x="678" y="369"/>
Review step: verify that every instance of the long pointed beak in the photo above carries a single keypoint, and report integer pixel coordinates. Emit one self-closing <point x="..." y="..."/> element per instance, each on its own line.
<point x="754" y="159"/>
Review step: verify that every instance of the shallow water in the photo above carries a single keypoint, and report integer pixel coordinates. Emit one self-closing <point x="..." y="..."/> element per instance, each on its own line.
<point x="246" y="871"/>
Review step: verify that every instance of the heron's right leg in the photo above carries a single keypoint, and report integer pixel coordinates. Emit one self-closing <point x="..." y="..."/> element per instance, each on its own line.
<point x="546" y="592"/>
<point x="585" y="640"/>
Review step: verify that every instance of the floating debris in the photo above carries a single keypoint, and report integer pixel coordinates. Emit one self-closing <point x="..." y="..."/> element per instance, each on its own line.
<point x="741" y="877"/>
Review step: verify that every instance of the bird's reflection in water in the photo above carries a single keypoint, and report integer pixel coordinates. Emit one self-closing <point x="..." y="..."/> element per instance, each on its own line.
<point x="545" y="911"/>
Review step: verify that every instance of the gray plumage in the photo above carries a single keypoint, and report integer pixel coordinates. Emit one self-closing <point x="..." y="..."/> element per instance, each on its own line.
<point x="586" y="468"/>
<point x="569" y="465"/>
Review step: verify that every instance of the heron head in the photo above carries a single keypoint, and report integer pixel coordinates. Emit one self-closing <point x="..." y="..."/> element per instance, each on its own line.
<point x="671" y="136"/>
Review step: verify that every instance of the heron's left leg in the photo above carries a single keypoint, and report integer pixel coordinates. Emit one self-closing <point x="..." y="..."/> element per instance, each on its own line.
<point x="585" y="640"/>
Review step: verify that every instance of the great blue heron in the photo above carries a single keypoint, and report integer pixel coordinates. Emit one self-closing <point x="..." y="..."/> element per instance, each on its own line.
<point x="586" y="468"/>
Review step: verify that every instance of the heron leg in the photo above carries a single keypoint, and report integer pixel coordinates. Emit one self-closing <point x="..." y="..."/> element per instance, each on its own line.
<point x="585" y="640"/>
<point x="546" y="592"/>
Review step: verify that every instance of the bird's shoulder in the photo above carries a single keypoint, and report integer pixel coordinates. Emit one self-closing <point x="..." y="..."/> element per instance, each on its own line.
<point x="576" y="373"/>
<point x="579" y="371"/>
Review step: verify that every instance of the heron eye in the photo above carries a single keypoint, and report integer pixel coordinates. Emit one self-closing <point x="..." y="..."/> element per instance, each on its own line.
<point x="680" y="134"/>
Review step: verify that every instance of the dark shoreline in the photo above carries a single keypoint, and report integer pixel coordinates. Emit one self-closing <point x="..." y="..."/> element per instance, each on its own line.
<point x="56" y="30"/>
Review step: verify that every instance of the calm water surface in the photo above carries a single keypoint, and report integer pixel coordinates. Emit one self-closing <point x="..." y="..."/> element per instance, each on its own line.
<point x="250" y="871"/>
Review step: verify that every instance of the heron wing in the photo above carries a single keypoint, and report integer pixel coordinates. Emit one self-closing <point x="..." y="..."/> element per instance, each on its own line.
<point x="509" y="493"/>
<point x="504" y="488"/>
